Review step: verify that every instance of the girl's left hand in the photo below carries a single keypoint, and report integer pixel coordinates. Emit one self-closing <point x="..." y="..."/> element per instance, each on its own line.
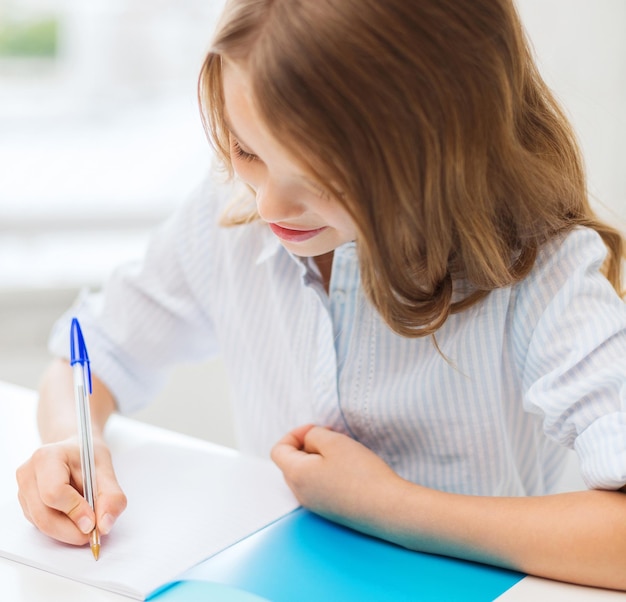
<point x="339" y="478"/>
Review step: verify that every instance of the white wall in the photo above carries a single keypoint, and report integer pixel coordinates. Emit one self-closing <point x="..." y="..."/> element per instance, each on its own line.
<point x="581" y="51"/>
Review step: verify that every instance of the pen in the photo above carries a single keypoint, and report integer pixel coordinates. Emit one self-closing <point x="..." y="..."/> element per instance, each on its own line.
<point x="79" y="360"/>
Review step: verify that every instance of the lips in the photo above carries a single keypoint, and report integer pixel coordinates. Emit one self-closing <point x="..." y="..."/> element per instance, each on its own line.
<point x="291" y="235"/>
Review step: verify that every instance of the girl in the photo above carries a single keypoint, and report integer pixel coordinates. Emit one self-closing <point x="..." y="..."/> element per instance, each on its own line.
<point x="415" y="269"/>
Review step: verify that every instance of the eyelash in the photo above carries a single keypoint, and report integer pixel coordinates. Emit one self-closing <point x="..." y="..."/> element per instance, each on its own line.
<point x="244" y="156"/>
<point x="240" y="153"/>
<point x="322" y="192"/>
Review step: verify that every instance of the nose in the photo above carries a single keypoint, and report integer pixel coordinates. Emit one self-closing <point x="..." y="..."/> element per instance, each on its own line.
<point x="276" y="201"/>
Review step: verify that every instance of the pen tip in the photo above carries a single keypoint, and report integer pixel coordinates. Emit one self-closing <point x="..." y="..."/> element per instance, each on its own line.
<point x="94" y="542"/>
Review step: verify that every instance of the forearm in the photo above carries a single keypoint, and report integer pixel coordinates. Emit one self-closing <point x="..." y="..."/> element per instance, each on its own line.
<point x="576" y="537"/>
<point x="56" y="412"/>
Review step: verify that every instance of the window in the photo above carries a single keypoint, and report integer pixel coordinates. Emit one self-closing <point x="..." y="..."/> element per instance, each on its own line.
<point x="101" y="134"/>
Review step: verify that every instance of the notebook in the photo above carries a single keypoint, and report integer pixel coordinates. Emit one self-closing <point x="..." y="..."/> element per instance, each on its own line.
<point x="185" y="503"/>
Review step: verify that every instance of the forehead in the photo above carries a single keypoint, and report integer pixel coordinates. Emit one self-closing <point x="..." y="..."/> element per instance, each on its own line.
<point x="236" y="86"/>
<point x="241" y="116"/>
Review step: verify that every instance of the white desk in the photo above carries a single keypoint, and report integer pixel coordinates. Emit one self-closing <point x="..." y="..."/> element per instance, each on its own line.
<point x="20" y="583"/>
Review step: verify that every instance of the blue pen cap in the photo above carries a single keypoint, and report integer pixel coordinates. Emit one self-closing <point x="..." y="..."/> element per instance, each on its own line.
<point x="78" y="349"/>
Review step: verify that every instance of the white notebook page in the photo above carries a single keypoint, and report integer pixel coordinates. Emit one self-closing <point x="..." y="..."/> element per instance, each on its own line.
<point x="184" y="505"/>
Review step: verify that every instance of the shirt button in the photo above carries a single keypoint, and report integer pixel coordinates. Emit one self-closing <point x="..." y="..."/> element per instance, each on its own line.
<point x="339" y="296"/>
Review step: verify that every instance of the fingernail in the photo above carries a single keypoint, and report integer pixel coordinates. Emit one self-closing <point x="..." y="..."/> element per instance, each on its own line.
<point x="85" y="524"/>
<point x="105" y="524"/>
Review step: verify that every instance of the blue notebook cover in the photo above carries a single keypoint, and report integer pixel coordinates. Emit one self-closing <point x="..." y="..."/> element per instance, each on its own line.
<point x="305" y="558"/>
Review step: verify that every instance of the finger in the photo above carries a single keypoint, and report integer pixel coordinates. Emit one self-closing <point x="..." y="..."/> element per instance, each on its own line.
<point x="295" y="438"/>
<point x="64" y="499"/>
<point x="283" y="452"/>
<point x="58" y="479"/>
<point x="111" y="500"/>
<point x="290" y="446"/>
<point x="57" y="525"/>
<point x="318" y="438"/>
<point x="50" y="493"/>
<point x="48" y="520"/>
<point x="46" y="482"/>
<point x="24" y="504"/>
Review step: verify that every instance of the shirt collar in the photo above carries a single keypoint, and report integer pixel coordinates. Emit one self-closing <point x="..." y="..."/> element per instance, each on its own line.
<point x="270" y="246"/>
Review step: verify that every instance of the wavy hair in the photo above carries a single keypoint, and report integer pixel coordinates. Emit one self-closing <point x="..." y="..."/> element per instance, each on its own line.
<point x="428" y="120"/>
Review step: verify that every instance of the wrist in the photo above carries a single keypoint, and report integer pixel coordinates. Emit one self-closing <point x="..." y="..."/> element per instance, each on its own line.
<point x="416" y="517"/>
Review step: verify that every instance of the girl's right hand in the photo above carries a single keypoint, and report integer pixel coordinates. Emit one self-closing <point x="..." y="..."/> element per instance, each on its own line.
<point x="50" y="492"/>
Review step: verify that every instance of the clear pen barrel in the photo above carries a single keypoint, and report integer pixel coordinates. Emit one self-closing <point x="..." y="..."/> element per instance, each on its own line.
<point x="83" y="413"/>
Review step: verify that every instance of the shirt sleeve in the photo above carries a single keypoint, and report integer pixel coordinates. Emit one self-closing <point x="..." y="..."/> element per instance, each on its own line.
<point x="573" y="327"/>
<point x="154" y="313"/>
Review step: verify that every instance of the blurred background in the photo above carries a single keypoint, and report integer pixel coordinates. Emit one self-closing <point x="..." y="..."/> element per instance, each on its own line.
<point x="100" y="139"/>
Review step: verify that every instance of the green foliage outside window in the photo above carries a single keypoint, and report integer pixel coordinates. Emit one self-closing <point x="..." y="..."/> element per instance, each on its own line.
<point x="29" y="38"/>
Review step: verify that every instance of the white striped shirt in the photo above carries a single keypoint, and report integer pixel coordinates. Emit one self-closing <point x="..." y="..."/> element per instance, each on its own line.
<point x="530" y="370"/>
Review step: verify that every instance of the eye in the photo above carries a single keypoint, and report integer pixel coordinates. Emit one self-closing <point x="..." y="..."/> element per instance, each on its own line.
<point x="236" y="150"/>
<point x="321" y="192"/>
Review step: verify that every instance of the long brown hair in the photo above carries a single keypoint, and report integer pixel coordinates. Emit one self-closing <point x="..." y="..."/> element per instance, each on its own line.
<point x="429" y="122"/>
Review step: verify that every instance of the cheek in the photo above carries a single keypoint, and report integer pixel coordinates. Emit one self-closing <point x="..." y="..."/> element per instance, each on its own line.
<point x="343" y="221"/>
<point x="247" y="171"/>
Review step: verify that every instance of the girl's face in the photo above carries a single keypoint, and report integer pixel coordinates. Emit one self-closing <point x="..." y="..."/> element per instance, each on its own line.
<point x="305" y="219"/>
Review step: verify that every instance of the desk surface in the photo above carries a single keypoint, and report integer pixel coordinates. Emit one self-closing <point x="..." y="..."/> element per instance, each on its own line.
<point x="21" y="583"/>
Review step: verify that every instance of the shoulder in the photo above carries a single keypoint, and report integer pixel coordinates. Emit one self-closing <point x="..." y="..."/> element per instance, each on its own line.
<point x="210" y="198"/>
<point x="567" y="267"/>
<point x="566" y="305"/>
<point x="198" y="221"/>
<point x="209" y="244"/>
<point x="566" y="297"/>
<point x="568" y="258"/>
